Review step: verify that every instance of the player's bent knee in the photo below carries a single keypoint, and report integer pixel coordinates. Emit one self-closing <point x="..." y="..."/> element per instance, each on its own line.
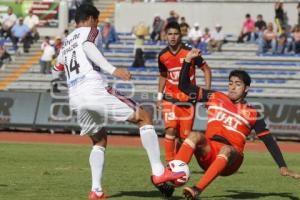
<point x="100" y="138"/>
<point x="143" y="117"/>
<point x="170" y="132"/>
<point x="196" y="136"/>
<point x="227" y="151"/>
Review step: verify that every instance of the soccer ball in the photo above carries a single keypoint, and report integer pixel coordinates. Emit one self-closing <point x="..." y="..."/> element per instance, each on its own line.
<point x="180" y="166"/>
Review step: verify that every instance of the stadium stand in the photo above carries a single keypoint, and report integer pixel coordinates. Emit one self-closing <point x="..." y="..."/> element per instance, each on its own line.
<point x="274" y="76"/>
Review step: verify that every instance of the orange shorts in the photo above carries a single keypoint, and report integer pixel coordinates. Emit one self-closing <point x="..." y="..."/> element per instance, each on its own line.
<point x="206" y="161"/>
<point x="178" y="117"/>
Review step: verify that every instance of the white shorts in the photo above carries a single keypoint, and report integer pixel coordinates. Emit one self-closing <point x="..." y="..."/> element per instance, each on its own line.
<point x="97" y="108"/>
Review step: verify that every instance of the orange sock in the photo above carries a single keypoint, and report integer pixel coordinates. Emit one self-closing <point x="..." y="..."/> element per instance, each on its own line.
<point x="169" y="149"/>
<point x="212" y="172"/>
<point x="185" y="152"/>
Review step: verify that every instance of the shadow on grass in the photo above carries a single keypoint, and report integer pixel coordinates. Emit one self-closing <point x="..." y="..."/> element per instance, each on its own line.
<point x="254" y="195"/>
<point x="150" y="194"/>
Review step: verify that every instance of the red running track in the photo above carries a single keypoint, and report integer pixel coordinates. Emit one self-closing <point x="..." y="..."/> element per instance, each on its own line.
<point x="120" y="141"/>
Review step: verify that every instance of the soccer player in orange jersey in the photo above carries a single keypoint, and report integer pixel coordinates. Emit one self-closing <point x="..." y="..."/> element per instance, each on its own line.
<point x="178" y="109"/>
<point x="230" y="121"/>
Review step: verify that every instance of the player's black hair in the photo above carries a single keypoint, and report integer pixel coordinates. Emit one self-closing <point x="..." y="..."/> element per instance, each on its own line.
<point x="242" y="75"/>
<point x="173" y="25"/>
<point x="84" y="11"/>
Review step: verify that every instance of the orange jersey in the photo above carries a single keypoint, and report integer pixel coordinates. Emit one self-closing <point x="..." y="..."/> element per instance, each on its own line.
<point x="233" y="122"/>
<point x="172" y="64"/>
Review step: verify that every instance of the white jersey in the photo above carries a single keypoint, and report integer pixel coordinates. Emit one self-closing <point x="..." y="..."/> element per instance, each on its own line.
<point x="77" y="66"/>
<point x="89" y="94"/>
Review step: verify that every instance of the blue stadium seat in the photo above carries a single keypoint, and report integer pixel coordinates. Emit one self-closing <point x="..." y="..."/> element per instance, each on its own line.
<point x="264" y="63"/>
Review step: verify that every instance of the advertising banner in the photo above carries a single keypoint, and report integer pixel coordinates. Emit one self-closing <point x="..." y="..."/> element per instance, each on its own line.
<point x="282" y="115"/>
<point x="46" y="11"/>
<point x="52" y="111"/>
<point x="18" y="108"/>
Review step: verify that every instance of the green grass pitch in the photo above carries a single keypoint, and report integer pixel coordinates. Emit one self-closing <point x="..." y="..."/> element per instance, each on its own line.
<point x="61" y="172"/>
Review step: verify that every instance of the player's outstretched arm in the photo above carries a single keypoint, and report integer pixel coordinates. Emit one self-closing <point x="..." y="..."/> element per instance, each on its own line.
<point x="92" y="52"/>
<point x="275" y="151"/>
<point x="207" y="77"/>
<point x="184" y="79"/>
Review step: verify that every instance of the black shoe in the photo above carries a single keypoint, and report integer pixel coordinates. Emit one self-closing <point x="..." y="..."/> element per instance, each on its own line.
<point x="192" y="193"/>
<point x="165" y="189"/>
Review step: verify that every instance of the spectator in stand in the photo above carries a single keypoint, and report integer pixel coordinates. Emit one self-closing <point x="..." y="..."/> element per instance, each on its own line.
<point x="184" y="27"/>
<point x="279" y="16"/>
<point x="20" y="33"/>
<point x="206" y="37"/>
<point x="73" y="5"/>
<point x="289" y="46"/>
<point x="157" y="28"/>
<point x="57" y="45"/>
<point x="248" y="30"/>
<point x="58" y="77"/>
<point x="217" y="39"/>
<point x="140" y="31"/>
<point x="109" y="34"/>
<point x="47" y="56"/>
<point x="195" y="35"/>
<point x="281" y="43"/>
<point x="260" y="26"/>
<point x="4" y="56"/>
<point x="8" y="21"/>
<point x="139" y="58"/>
<point x="268" y="40"/>
<point x="296" y="38"/>
<point x="45" y="42"/>
<point x="32" y="22"/>
<point x="173" y="17"/>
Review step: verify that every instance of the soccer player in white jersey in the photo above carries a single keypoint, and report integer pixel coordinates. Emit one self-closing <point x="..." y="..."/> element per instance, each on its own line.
<point x="95" y="102"/>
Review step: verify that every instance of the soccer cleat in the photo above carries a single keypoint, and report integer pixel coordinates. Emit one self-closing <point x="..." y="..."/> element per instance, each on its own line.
<point x="165" y="189"/>
<point x="191" y="193"/>
<point x="168" y="175"/>
<point x="94" y="196"/>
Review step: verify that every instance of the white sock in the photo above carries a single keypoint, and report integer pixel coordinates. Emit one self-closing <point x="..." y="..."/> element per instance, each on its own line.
<point x="96" y="163"/>
<point x="150" y="143"/>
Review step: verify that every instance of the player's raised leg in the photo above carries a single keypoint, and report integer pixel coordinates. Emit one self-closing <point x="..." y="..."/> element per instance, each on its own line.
<point x="186" y="151"/>
<point x="150" y="142"/>
<point x="126" y="109"/>
<point x="226" y="156"/>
